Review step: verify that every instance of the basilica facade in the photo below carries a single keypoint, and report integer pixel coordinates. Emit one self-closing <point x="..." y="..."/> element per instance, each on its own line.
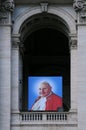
<point x="42" y="38"/>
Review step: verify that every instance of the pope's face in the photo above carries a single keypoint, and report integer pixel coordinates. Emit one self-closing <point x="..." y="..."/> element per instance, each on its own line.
<point x="44" y="90"/>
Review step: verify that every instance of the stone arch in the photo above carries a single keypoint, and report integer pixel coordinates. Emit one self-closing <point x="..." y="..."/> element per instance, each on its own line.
<point x="64" y="15"/>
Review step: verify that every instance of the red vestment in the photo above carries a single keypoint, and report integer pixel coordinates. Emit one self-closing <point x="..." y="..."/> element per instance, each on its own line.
<point x="53" y="102"/>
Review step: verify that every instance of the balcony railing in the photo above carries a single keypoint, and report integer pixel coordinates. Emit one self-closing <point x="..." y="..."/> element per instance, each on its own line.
<point x="44" y="118"/>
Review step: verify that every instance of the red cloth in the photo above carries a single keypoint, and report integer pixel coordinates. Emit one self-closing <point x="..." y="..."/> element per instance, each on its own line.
<point x="53" y="103"/>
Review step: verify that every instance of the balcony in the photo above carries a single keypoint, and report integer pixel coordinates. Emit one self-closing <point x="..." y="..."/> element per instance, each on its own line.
<point x="44" y="118"/>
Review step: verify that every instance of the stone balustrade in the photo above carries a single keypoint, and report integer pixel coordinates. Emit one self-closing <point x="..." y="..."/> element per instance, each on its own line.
<point x="44" y="118"/>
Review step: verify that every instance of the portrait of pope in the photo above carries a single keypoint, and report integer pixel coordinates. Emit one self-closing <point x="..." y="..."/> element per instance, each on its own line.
<point x="47" y="100"/>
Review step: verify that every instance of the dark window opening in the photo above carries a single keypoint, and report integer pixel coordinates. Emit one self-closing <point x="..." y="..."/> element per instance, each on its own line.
<point x="47" y="54"/>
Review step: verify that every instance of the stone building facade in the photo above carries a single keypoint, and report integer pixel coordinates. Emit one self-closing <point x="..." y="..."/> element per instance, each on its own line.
<point x="20" y="19"/>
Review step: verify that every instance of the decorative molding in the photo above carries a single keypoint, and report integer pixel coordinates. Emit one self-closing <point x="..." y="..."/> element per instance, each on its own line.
<point x="80" y="8"/>
<point x="8" y="5"/>
<point x="73" y="43"/>
<point x="78" y="5"/>
<point x="4" y="17"/>
<point x="44" y="6"/>
<point x="61" y="13"/>
<point x="17" y="43"/>
<point x="82" y="17"/>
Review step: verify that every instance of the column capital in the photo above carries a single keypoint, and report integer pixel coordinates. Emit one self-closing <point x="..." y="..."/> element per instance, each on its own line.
<point x="8" y="5"/>
<point x="4" y="17"/>
<point x="78" y="5"/>
<point x="73" y="42"/>
<point x="17" y="43"/>
<point x="80" y="8"/>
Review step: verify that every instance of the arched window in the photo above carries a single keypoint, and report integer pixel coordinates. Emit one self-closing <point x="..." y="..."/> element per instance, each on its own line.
<point x="47" y="54"/>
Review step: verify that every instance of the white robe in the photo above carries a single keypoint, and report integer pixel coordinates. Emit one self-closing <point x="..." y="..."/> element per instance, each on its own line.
<point x="40" y="104"/>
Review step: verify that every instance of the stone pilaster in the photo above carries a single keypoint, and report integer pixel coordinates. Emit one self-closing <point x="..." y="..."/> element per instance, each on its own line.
<point x="16" y="72"/>
<point x="15" y="81"/>
<point x="81" y="76"/>
<point x="81" y="64"/>
<point x="5" y="67"/>
<point x="73" y="53"/>
<point x="5" y="77"/>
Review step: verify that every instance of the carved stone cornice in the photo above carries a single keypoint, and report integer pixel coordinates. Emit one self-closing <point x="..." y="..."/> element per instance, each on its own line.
<point x="80" y="8"/>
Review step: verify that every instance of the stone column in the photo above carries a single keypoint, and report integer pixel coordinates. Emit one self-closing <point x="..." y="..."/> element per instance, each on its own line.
<point x="16" y="81"/>
<point x="80" y="8"/>
<point x="5" y="65"/>
<point x="82" y="77"/>
<point x="15" y="74"/>
<point x="73" y="66"/>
